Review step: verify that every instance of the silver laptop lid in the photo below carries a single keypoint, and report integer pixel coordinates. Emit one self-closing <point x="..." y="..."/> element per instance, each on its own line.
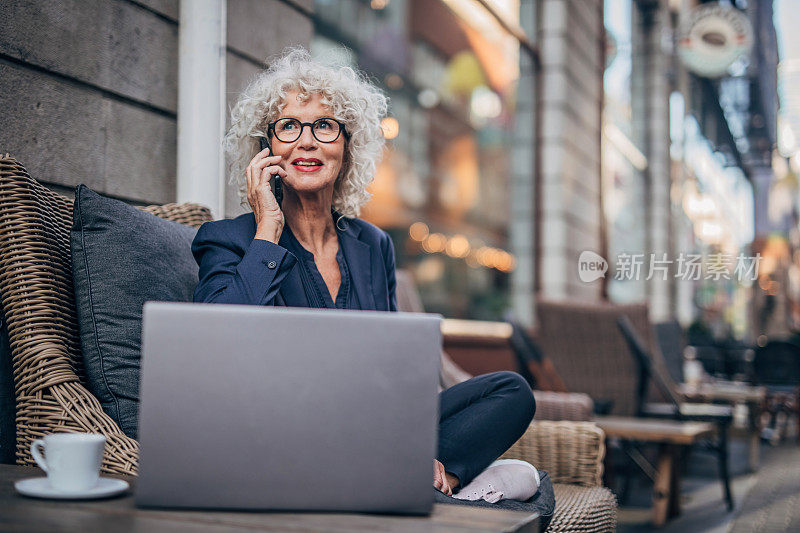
<point x="247" y="407"/>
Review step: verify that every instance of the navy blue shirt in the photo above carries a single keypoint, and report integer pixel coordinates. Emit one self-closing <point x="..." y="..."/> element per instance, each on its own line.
<point x="314" y="284"/>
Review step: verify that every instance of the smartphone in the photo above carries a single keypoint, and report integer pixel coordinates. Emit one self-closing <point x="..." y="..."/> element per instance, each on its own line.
<point x="277" y="186"/>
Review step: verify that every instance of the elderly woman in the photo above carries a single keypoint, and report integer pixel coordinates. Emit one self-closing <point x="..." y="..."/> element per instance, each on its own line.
<point x="311" y="250"/>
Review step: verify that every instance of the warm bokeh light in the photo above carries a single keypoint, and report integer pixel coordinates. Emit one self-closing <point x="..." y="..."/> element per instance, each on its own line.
<point x="394" y="81"/>
<point x="458" y="167"/>
<point x="482" y="255"/>
<point x="433" y="243"/>
<point x="504" y="261"/>
<point x="390" y="127"/>
<point x="418" y="231"/>
<point x="457" y="246"/>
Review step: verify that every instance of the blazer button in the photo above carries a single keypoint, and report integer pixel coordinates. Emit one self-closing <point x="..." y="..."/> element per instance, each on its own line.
<point x="272" y="264"/>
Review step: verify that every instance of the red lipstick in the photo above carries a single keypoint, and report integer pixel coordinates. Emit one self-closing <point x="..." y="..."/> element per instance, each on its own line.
<point x="307" y="165"/>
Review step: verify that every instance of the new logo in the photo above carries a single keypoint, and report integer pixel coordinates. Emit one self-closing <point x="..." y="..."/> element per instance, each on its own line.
<point x="591" y="266"/>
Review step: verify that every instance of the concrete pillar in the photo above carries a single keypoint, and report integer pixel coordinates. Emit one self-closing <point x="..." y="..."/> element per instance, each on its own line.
<point x="201" y="103"/>
<point x="650" y="91"/>
<point x="571" y="41"/>
<point x="522" y="227"/>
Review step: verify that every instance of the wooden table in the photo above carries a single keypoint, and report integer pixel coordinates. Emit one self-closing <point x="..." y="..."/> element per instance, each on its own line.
<point x="670" y="436"/>
<point x="119" y="514"/>
<point x="724" y="391"/>
<point x="734" y="393"/>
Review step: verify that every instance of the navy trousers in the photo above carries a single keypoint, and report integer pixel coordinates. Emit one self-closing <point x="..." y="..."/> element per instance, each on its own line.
<point x="480" y="419"/>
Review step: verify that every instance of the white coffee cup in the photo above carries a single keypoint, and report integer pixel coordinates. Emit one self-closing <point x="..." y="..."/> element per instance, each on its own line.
<point x="71" y="460"/>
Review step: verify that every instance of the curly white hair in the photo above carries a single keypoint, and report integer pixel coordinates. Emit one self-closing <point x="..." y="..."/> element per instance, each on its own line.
<point x="352" y="98"/>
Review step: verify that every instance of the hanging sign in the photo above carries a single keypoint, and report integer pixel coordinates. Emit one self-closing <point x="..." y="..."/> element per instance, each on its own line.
<point x="713" y="38"/>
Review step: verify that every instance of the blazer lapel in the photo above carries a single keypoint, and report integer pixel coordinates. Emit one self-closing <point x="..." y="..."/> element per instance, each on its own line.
<point x="359" y="259"/>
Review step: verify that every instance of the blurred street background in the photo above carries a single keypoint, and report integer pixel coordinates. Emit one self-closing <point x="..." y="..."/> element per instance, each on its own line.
<point x="618" y="151"/>
<point x="657" y="133"/>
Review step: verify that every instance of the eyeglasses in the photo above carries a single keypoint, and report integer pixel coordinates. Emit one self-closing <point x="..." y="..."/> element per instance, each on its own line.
<point x="325" y="130"/>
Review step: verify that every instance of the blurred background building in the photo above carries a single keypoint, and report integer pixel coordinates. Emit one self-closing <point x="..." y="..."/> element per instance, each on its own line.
<point x="689" y="137"/>
<point x="520" y="134"/>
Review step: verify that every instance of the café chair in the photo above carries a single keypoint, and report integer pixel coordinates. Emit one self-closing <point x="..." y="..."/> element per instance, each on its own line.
<point x="652" y="370"/>
<point x="777" y="367"/>
<point x="592" y="355"/>
<point x="672" y="342"/>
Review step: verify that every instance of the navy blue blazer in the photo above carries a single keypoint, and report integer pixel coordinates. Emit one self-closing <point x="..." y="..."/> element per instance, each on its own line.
<point x="235" y="268"/>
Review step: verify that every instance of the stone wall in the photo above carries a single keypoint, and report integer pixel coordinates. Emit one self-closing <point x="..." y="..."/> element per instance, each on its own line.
<point x="90" y="93"/>
<point x="571" y="43"/>
<point x="90" y="87"/>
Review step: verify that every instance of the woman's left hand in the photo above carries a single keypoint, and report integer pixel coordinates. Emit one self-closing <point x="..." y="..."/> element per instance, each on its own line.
<point x="440" y="479"/>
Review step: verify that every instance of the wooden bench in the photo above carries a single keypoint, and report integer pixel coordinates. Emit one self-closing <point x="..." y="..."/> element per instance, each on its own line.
<point x="670" y="436"/>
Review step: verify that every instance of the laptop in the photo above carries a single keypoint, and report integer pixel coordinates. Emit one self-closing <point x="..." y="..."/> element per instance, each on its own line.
<point x="263" y="408"/>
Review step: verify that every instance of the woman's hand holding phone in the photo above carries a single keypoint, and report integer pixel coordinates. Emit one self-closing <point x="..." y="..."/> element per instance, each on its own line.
<point x="267" y="211"/>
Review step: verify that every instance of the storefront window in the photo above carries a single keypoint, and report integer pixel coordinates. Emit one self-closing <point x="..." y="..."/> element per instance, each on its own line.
<point x="442" y="189"/>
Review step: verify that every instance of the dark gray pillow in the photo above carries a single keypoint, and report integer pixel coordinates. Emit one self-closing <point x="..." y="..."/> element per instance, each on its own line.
<point x="123" y="257"/>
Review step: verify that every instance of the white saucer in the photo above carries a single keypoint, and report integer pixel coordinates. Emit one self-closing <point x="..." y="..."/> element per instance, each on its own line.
<point x="39" y="487"/>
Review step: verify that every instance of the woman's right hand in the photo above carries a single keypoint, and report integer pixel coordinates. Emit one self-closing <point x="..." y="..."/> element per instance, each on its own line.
<point x="269" y="217"/>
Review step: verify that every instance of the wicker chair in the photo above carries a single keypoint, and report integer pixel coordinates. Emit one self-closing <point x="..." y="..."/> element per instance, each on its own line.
<point x="39" y="306"/>
<point x="589" y="352"/>
<point x="37" y="299"/>
<point x="572" y="452"/>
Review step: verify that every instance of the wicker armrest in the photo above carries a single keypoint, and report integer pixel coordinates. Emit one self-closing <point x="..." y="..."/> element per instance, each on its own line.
<point x="52" y="399"/>
<point x="38" y="301"/>
<point x="571" y="452"/>
<point x="575" y="406"/>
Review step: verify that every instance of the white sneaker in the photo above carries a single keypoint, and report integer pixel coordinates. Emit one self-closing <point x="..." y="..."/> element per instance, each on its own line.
<point x="504" y="479"/>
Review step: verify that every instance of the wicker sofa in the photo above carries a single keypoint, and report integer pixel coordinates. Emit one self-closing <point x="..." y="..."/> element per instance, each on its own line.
<point x="38" y="304"/>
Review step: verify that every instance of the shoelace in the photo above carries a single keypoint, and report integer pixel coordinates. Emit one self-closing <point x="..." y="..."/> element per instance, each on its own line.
<point x="483" y="491"/>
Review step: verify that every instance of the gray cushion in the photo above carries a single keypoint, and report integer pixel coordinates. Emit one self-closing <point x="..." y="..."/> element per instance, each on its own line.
<point x="543" y="502"/>
<point x="121" y="258"/>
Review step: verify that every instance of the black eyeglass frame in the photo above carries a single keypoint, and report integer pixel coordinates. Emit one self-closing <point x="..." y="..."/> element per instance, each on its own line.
<point x="342" y="129"/>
